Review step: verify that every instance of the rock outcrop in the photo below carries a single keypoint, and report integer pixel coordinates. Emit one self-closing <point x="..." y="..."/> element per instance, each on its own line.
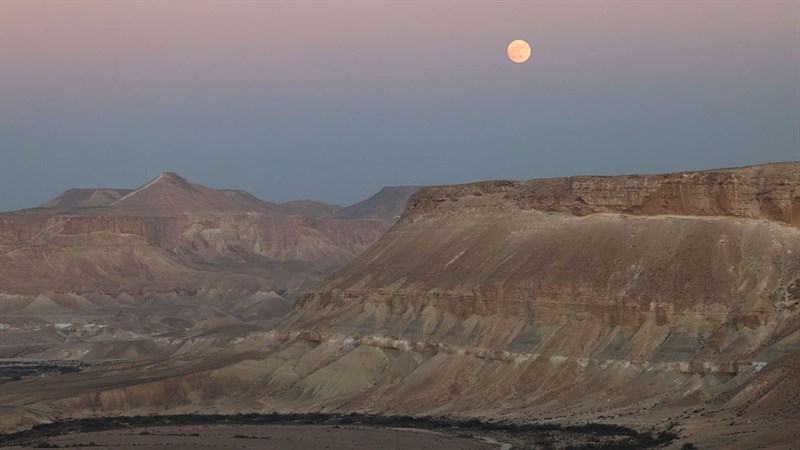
<point x="768" y="191"/>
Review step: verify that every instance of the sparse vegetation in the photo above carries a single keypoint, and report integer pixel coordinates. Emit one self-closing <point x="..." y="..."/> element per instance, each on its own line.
<point x="603" y="429"/>
<point x="594" y="436"/>
<point x="19" y="370"/>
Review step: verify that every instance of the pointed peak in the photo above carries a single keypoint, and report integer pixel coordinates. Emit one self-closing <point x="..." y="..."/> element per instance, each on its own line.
<point x="169" y="193"/>
<point x="170" y="176"/>
<point x="164" y="186"/>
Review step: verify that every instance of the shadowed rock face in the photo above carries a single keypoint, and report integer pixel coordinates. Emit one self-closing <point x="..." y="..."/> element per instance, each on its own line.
<point x="389" y="202"/>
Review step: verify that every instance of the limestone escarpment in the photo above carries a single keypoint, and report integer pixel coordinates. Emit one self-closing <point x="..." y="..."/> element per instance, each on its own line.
<point x="481" y="248"/>
<point x="769" y="191"/>
<point x="678" y="288"/>
<point x="696" y="290"/>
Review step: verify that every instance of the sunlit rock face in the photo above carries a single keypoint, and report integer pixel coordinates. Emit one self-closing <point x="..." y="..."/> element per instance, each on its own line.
<point x="578" y="295"/>
<point x="613" y="251"/>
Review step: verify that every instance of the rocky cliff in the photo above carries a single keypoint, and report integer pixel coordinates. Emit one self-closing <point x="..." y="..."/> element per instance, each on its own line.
<point x="586" y="297"/>
<point x="768" y="191"/>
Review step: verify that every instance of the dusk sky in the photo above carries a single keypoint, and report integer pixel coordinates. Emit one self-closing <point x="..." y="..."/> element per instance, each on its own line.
<point x="332" y="100"/>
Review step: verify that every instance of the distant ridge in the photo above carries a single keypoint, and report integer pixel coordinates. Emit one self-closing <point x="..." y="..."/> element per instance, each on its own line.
<point x="170" y="193"/>
<point x="388" y="203"/>
<point x="171" y="233"/>
<point x="86" y="198"/>
<point x="310" y="208"/>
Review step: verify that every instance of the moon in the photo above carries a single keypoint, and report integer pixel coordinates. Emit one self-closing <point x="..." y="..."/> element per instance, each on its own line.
<point x="519" y="51"/>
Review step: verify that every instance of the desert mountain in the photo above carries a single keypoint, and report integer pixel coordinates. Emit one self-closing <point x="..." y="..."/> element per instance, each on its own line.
<point x="172" y="234"/>
<point x="635" y="300"/>
<point x="171" y="194"/>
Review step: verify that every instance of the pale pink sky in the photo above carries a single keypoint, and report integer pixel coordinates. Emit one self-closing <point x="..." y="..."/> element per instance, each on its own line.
<point x="167" y="44"/>
<point x="300" y="87"/>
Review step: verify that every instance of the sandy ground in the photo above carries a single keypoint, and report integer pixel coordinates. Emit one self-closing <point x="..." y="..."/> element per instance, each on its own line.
<point x="285" y="437"/>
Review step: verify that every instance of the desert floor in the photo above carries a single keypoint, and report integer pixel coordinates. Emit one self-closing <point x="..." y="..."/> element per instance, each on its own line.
<point x="286" y="437"/>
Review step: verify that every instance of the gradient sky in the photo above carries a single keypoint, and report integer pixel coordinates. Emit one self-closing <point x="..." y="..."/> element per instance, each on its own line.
<point x="332" y="100"/>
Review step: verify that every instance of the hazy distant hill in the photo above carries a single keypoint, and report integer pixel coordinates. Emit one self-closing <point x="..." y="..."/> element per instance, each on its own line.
<point x="388" y="203"/>
<point x="170" y="194"/>
<point x="310" y="208"/>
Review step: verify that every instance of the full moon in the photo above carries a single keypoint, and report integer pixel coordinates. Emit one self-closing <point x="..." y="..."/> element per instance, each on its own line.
<point x="519" y="51"/>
